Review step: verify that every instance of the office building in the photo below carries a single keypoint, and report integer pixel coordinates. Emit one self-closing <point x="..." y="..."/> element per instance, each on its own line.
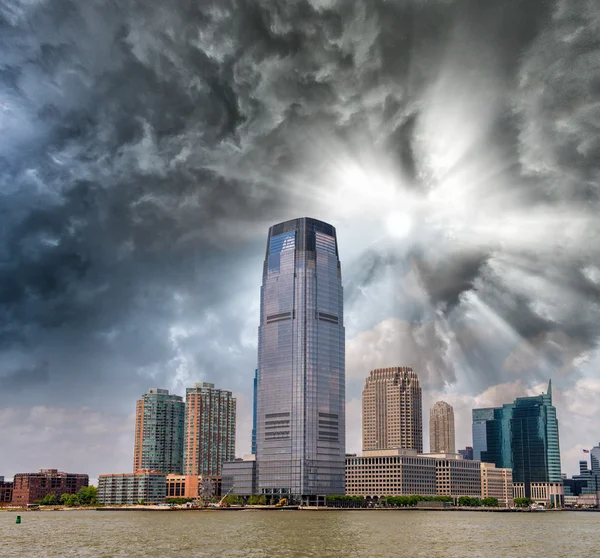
<point x="392" y="410"/>
<point x="147" y="487"/>
<point x="159" y="427"/>
<point x="466" y="453"/>
<point x="209" y="429"/>
<point x="584" y="489"/>
<point x="300" y="427"/>
<point x="441" y="428"/>
<point x="254" y="403"/>
<point x="239" y="476"/>
<point x="6" y="490"/>
<point x="497" y="483"/>
<point x="404" y="472"/>
<point x="523" y="436"/>
<point x="29" y="487"/>
<point x="595" y="460"/>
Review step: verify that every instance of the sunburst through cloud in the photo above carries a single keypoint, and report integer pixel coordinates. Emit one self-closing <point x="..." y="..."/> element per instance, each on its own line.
<point x="145" y="149"/>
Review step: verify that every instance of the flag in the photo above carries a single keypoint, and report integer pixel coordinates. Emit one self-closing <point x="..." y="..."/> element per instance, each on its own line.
<point x="586" y="451"/>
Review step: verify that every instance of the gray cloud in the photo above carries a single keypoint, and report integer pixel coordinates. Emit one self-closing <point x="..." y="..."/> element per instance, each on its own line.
<point x="145" y="150"/>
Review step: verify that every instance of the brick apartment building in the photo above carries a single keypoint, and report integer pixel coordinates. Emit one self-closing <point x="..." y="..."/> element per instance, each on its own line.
<point x="29" y="487"/>
<point x="6" y="490"/>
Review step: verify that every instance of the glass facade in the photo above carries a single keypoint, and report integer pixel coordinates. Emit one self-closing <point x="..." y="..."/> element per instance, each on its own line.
<point x="159" y="429"/>
<point x="300" y="427"/>
<point x="253" y="445"/>
<point x="522" y="436"/>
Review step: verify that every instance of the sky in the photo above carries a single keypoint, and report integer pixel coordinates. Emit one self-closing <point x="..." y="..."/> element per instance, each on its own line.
<point x="146" y="147"/>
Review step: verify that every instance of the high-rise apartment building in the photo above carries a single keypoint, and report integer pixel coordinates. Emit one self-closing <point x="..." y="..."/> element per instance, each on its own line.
<point x="441" y="428"/>
<point x="159" y="429"/>
<point x="522" y="436"/>
<point x="209" y="429"/>
<point x="392" y="410"/>
<point x="301" y="427"/>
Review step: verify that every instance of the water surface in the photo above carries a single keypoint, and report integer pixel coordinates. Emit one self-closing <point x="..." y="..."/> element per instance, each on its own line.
<point x="320" y="534"/>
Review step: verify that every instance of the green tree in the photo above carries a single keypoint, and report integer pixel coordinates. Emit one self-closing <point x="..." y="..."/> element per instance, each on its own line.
<point x="49" y="500"/>
<point x="87" y="495"/>
<point x="257" y="500"/>
<point x="69" y="500"/>
<point x="490" y="502"/>
<point x="523" y="502"/>
<point x="232" y="499"/>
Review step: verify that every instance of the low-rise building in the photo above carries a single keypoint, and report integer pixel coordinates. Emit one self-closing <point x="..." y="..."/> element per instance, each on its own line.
<point x="149" y="487"/>
<point x="193" y="486"/>
<point x="456" y="476"/>
<point x="497" y="483"/>
<point x="6" y="492"/>
<point x="239" y="476"/>
<point x="549" y="494"/>
<point x="404" y="472"/>
<point x="30" y="487"/>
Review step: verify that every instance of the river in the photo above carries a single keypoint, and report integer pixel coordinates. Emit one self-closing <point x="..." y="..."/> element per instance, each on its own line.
<point x="323" y="534"/>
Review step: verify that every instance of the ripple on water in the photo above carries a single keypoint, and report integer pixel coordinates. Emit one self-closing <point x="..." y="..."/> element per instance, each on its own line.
<point x="289" y="534"/>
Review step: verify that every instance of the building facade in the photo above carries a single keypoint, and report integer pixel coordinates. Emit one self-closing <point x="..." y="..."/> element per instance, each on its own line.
<point x="441" y="428"/>
<point x="159" y="429"/>
<point x="301" y="423"/>
<point x="522" y="436"/>
<point x="584" y="489"/>
<point x="392" y="410"/>
<point x="210" y="416"/>
<point x="148" y="487"/>
<point x="404" y="472"/>
<point x="6" y="492"/>
<point x="29" y="487"/>
<point x="254" y="404"/>
<point x="192" y="486"/>
<point x="239" y="477"/>
<point x="466" y="453"/>
<point x="497" y="483"/>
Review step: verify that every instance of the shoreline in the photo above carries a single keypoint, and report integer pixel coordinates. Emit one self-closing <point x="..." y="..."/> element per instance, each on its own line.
<point x="163" y="508"/>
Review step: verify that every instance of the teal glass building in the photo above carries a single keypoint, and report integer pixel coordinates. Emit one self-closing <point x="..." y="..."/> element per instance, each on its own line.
<point x="159" y="431"/>
<point x="300" y="424"/>
<point x="522" y="436"/>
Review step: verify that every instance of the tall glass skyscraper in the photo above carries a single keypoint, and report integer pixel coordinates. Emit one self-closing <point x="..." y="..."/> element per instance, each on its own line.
<point x="301" y="426"/>
<point x="523" y="436"/>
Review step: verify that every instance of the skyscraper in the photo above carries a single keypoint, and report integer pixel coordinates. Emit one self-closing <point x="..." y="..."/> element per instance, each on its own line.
<point x="254" y="403"/>
<point x="595" y="459"/>
<point x="523" y="436"/>
<point x="209" y="429"/>
<point x="392" y="410"/>
<point x="159" y="426"/>
<point x="301" y="427"/>
<point x="441" y="428"/>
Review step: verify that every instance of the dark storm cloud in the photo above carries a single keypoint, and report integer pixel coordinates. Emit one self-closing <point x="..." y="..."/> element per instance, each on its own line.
<point x="145" y="148"/>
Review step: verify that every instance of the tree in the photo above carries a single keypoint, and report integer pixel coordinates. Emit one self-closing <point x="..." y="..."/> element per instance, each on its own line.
<point x="49" y="500"/>
<point x="87" y="495"/>
<point x="523" y="502"/>
<point x="490" y="502"/>
<point x="468" y="501"/>
<point x="257" y="500"/>
<point x="232" y="499"/>
<point x="69" y="500"/>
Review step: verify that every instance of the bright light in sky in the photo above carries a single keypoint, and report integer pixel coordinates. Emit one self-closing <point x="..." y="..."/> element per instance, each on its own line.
<point x="399" y="224"/>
